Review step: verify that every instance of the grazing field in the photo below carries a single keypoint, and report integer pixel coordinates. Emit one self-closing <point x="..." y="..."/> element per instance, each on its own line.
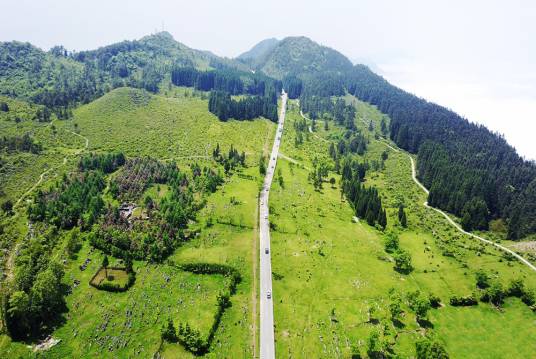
<point x="22" y="170"/>
<point x="140" y="124"/>
<point x="104" y="324"/>
<point x="332" y="276"/>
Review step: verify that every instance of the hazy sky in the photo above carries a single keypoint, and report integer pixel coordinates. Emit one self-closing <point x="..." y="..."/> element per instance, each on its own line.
<point x="476" y="57"/>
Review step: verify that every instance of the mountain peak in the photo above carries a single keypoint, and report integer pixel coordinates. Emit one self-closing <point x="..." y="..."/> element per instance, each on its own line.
<point x="298" y="55"/>
<point x="259" y="50"/>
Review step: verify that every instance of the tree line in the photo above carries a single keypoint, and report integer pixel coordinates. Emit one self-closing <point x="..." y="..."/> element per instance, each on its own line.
<point x="24" y="143"/>
<point x="365" y="201"/>
<point x="464" y="165"/>
<point x="222" y="105"/>
<point x="225" y="79"/>
<point x="35" y="303"/>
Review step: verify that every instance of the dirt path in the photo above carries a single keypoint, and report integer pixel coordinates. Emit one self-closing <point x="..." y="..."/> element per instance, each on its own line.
<point x="83" y="137"/>
<point x="41" y="176"/>
<point x="311" y="129"/>
<point x="456" y="225"/>
<point x="290" y="159"/>
<point x="11" y="258"/>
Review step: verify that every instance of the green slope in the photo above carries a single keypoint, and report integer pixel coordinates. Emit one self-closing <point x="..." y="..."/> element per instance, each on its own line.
<point x="330" y="272"/>
<point x="300" y="56"/>
<point x="141" y="124"/>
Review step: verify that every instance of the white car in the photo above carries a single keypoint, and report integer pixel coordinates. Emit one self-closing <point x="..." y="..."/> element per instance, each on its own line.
<point x="269" y="295"/>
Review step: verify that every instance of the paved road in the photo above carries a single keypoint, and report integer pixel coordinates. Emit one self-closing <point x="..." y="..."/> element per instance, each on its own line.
<point x="267" y="347"/>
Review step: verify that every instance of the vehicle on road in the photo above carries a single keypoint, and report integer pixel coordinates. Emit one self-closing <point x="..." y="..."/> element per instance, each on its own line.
<point x="269" y="295"/>
<point x="266" y="250"/>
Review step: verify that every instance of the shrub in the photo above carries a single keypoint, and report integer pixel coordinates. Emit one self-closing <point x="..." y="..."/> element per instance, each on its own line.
<point x="391" y="242"/>
<point x="516" y="288"/>
<point x="402" y="261"/>
<point x="430" y="349"/>
<point x="435" y="301"/>
<point x="529" y="298"/>
<point x="482" y="279"/>
<point x="494" y="294"/>
<point x="419" y="303"/>
<point x="466" y="301"/>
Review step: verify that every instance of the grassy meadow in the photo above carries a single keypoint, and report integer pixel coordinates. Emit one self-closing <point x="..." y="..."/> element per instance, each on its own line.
<point x="330" y="273"/>
<point x="178" y="127"/>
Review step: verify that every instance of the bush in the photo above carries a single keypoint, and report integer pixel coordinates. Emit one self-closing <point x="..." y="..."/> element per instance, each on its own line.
<point x="482" y="279"/>
<point x="466" y="301"/>
<point x="402" y="261"/>
<point x="391" y="242"/>
<point x="529" y="298"/>
<point x="435" y="301"/>
<point x="516" y="288"/>
<point x="494" y="294"/>
<point x="430" y="349"/>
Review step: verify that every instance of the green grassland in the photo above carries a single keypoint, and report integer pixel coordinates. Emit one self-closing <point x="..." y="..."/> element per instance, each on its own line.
<point x="22" y="169"/>
<point x="329" y="271"/>
<point x="104" y="324"/>
<point x="140" y="124"/>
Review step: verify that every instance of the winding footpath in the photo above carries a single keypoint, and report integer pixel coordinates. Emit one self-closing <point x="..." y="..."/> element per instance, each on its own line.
<point x="267" y="345"/>
<point x="456" y="225"/>
<point x="311" y="128"/>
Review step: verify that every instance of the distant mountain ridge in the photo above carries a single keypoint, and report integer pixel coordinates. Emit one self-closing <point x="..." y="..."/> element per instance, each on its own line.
<point x="259" y="49"/>
<point x="469" y="170"/>
<point x="299" y="56"/>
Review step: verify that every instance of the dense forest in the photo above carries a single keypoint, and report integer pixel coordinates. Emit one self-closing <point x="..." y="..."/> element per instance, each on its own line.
<point x="469" y="170"/>
<point x="225" y="79"/>
<point x="222" y="105"/>
<point x="365" y="201"/>
<point x="61" y="79"/>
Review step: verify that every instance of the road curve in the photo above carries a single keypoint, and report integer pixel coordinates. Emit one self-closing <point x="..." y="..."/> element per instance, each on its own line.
<point x="414" y="176"/>
<point x="267" y="345"/>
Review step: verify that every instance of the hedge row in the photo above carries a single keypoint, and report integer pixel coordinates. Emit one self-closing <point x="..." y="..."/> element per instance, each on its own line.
<point x="109" y="287"/>
<point x="213" y="268"/>
<point x="191" y="338"/>
<point x="466" y="301"/>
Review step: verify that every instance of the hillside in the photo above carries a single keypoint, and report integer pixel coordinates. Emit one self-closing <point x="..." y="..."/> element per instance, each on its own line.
<point x="61" y="80"/>
<point x="259" y="50"/>
<point x="495" y="182"/>
<point x="178" y="130"/>
<point x="300" y="56"/>
<point x="140" y="124"/>
<point x="142" y="213"/>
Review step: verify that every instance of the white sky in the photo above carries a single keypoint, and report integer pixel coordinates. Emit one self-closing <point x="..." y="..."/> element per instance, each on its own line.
<point x="476" y="57"/>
